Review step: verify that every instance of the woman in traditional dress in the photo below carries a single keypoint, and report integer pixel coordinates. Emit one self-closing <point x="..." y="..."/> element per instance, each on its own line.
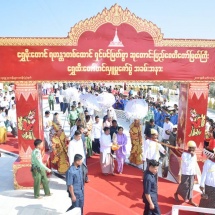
<point x="136" y="142"/>
<point x="88" y="129"/>
<point x="121" y="152"/>
<point x="207" y="184"/>
<point x="3" y="131"/>
<point x="106" y="158"/>
<point x="59" y="158"/>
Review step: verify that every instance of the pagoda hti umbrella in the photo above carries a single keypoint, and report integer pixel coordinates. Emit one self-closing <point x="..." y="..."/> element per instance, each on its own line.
<point x="136" y="109"/>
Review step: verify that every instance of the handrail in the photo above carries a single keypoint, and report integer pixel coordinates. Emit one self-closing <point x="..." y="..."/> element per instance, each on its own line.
<point x="176" y="208"/>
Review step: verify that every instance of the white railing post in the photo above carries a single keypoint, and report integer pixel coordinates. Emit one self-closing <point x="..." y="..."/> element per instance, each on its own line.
<point x="174" y="210"/>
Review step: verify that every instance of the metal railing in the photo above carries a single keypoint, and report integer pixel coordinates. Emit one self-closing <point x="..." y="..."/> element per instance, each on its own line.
<point x="176" y="208"/>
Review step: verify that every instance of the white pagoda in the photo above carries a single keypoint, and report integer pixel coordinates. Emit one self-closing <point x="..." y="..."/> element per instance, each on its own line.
<point x="116" y="42"/>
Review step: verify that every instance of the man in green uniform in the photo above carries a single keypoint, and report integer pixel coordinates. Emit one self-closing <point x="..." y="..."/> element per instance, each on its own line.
<point x="80" y="109"/>
<point x="51" y="101"/>
<point x="73" y="115"/>
<point x="39" y="170"/>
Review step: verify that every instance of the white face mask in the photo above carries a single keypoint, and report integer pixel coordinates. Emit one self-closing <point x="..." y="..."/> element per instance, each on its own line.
<point x="175" y="132"/>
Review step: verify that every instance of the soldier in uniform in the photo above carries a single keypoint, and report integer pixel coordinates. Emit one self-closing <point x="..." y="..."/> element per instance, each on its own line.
<point x="39" y="170"/>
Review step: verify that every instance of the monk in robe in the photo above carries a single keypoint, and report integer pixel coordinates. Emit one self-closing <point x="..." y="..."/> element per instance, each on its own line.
<point x="136" y="142"/>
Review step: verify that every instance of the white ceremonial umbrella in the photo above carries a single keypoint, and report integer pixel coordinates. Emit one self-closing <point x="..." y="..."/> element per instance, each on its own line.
<point x="72" y="94"/>
<point x="106" y="99"/>
<point x="90" y="101"/>
<point x="136" y="109"/>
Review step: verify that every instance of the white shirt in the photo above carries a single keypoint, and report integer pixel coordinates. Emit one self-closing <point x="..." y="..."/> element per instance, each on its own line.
<point x="151" y="150"/>
<point x="90" y="111"/>
<point x="9" y="88"/>
<point x="121" y="90"/>
<point x="161" y="87"/>
<point x="166" y="126"/>
<point x="73" y="130"/>
<point x="4" y="103"/>
<point x="105" y="145"/>
<point x="57" y="93"/>
<point x="11" y="103"/>
<point x="208" y="174"/>
<point x="47" y="123"/>
<point x="107" y="124"/>
<point x="1" y="99"/>
<point x="8" y="97"/>
<point x="12" y="115"/>
<point x="2" y="119"/>
<point x="207" y="126"/>
<point x="177" y="91"/>
<point x="60" y="98"/>
<point x="96" y="130"/>
<point x="188" y="164"/>
<point x="75" y="147"/>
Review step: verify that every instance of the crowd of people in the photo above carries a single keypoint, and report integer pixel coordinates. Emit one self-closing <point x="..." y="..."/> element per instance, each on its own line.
<point x="91" y="134"/>
<point x="8" y="118"/>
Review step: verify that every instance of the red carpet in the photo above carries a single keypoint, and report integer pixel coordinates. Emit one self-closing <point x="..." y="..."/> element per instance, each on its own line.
<point x="120" y="194"/>
<point x="11" y="145"/>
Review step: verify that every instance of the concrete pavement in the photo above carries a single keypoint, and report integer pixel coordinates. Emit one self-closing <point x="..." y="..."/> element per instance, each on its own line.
<point x="22" y="202"/>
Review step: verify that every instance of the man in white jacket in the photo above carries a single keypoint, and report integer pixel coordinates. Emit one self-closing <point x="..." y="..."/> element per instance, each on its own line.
<point x="188" y="172"/>
<point x="75" y="147"/>
<point x="207" y="184"/>
<point x="152" y="149"/>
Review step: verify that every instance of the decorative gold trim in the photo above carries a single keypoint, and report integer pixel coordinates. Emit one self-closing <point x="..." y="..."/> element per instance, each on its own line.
<point x="15" y="169"/>
<point x="186" y="43"/>
<point x="198" y="89"/>
<point x="26" y="89"/>
<point x="30" y="41"/>
<point x="116" y="16"/>
<point x="110" y="81"/>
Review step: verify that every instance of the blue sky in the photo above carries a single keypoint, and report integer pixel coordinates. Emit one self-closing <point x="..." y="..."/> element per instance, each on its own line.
<point x="53" y="18"/>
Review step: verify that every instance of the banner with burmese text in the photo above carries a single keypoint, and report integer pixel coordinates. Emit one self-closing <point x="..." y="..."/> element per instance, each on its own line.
<point x="114" y="45"/>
